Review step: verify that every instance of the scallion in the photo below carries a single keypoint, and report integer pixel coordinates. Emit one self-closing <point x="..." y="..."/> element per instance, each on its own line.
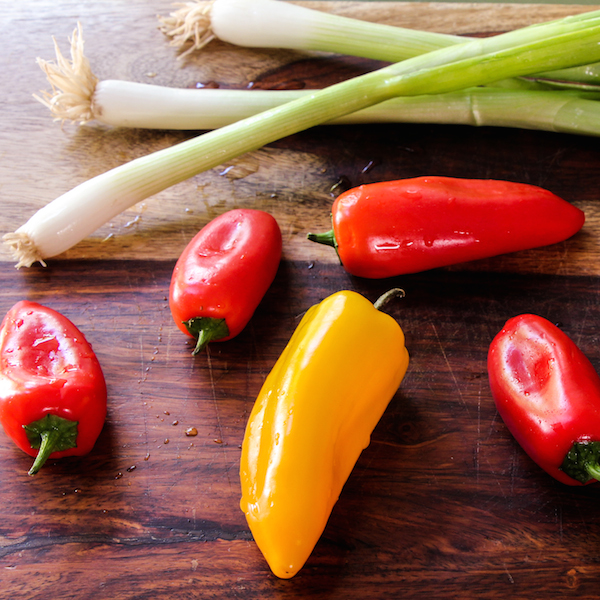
<point x="71" y="217"/>
<point x="131" y="104"/>
<point x="277" y="24"/>
<point x="79" y="96"/>
<point x="280" y="24"/>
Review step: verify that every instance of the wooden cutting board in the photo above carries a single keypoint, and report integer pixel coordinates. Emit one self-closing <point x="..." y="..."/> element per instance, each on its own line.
<point x="443" y="503"/>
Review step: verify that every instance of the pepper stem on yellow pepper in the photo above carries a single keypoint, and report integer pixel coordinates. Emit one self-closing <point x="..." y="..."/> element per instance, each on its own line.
<point x="385" y="298"/>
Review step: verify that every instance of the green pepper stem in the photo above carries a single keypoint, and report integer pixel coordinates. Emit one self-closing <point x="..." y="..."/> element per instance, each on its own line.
<point x="50" y="434"/>
<point x="387" y="296"/>
<point x="582" y="462"/>
<point x="593" y="469"/>
<point x="49" y="440"/>
<point x="327" y="238"/>
<point x="205" y="330"/>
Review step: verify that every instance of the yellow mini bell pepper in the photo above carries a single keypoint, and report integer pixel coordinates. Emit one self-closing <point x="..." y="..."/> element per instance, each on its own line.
<point x="313" y="417"/>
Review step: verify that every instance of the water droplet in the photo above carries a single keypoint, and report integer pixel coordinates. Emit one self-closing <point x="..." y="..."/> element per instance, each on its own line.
<point x="209" y="84"/>
<point x="343" y="184"/>
<point x="242" y="167"/>
<point x="44" y="340"/>
<point x="414" y="194"/>
<point x="132" y="222"/>
<point x="368" y="166"/>
<point x="384" y="246"/>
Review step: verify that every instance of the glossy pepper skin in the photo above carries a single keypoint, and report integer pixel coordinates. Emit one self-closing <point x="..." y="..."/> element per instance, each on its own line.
<point x="313" y="417"/>
<point x="406" y="226"/>
<point x="52" y="389"/>
<point x="223" y="274"/>
<point x="548" y="394"/>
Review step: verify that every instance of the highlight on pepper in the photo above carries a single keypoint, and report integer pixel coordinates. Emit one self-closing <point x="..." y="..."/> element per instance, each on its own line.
<point x="52" y="390"/>
<point x="311" y="420"/>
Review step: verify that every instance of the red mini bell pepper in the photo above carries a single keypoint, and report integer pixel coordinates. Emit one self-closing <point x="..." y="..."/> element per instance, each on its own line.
<point x="52" y="389"/>
<point x="397" y="227"/>
<point x="548" y="394"/>
<point x="223" y="274"/>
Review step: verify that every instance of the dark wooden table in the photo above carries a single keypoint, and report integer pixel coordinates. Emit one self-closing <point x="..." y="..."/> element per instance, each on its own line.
<point x="443" y="503"/>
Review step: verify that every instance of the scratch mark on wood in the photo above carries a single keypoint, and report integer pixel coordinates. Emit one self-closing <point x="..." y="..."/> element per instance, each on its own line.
<point x="559" y="518"/>
<point x="216" y="405"/>
<point x="510" y="577"/>
<point x="450" y="369"/>
<point x="478" y="442"/>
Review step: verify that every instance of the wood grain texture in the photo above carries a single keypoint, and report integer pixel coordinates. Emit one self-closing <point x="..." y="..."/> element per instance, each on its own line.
<point x="443" y="503"/>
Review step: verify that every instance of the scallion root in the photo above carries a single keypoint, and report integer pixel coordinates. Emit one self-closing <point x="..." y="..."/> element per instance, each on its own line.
<point x="72" y="81"/>
<point x="23" y="249"/>
<point x="189" y="25"/>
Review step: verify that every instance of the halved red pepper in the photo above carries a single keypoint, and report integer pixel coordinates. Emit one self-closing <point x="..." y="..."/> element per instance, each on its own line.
<point x="548" y="394"/>
<point x="223" y="274"/>
<point x="406" y="226"/>
<point x="52" y="389"/>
